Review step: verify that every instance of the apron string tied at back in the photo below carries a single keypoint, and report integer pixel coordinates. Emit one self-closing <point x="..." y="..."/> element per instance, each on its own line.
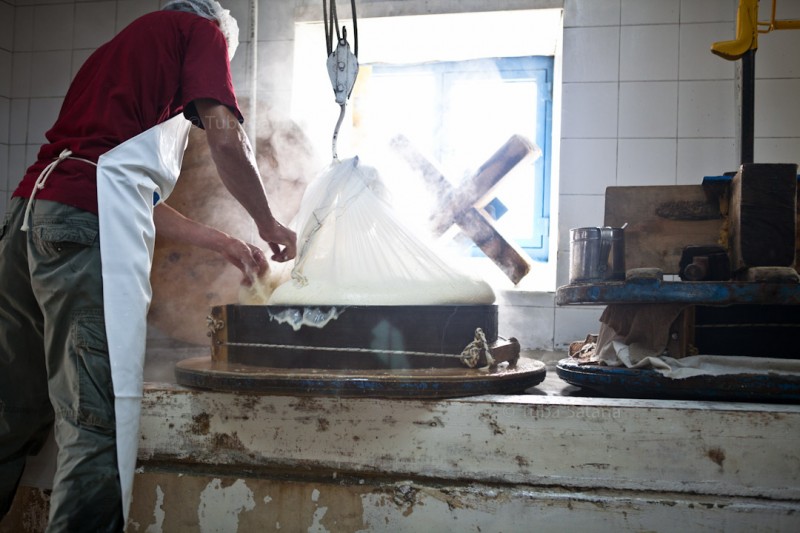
<point x="40" y="181"/>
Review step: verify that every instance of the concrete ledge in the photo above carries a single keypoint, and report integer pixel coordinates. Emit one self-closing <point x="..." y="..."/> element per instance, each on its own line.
<point x="214" y="461"/>
<point x="719" y="449"/>
<point x="165" y="501"/>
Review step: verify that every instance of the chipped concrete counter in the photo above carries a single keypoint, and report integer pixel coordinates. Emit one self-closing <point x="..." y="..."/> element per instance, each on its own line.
<point x="547" y="460"/>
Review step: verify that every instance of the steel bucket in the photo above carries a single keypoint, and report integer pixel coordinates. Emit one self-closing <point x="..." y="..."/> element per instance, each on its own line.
<point x="597" y="254"/>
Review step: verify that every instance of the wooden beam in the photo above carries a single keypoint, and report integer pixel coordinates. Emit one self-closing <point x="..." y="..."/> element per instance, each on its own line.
<point x="458" y="206"/>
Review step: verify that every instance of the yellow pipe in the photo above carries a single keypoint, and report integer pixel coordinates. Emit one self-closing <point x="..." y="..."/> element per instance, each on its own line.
<point x="747" y="30"/>
<point x="779" y="24"/>
<point x="786" y="24"/>
<point x="746" y="33"/>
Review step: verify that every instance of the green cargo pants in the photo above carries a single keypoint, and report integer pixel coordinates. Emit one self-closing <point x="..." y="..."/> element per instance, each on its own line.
<point x="54" y="366"/>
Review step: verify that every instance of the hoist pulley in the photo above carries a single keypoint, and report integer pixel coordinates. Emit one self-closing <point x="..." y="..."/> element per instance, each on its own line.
<point x="342" y="63"/>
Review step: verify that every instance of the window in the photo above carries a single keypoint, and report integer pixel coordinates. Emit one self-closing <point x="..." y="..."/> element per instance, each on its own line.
<point x="459" y="113"/>
<point x="411" y="52"/>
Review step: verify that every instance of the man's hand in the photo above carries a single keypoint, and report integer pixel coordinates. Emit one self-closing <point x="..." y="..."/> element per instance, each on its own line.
<point x="281" y="240"/>
<point x="246" y="257"/>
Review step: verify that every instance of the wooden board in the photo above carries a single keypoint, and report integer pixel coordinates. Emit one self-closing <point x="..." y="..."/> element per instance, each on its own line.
<point x="662" y="220"/>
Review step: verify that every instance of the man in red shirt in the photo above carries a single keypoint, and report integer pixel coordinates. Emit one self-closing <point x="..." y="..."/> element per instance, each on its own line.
<point x="55" y="369"/>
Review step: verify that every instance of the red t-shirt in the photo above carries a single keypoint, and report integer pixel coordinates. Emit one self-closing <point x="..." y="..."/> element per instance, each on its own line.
<point x="151" y="71"/>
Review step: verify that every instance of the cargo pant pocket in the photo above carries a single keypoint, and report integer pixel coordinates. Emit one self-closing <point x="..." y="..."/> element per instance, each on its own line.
<point x="63" y="236"/>
<point x="96" y="390"/>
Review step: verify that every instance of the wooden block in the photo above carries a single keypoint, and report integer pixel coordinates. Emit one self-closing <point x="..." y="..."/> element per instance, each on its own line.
<point x="681" y="335"/>
<point x="507" y="255"/>
<point x="771" y="275"/>
<point x="763" y="215"/>
<point x="662" y="220"/>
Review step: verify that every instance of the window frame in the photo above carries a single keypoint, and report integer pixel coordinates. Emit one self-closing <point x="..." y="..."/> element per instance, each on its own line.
<point x="540" y="70"/>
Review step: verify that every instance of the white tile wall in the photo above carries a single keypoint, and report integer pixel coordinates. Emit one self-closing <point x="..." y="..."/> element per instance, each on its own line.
<point x="594" y="54"/>
<point x="578" y="211"/>
<point x="705" y="157"/>
<point x="274" y="56"/>
<point x="51" y="73"/>
<point x="42" y="115"/>
<point x="773" y="50"/>
<point x="43" y="2"/>
<point x="696" y="60"/>
<point x="5" y="120"/>
<point x="777" y="150"/>
<point x="31" y="151"/>
<point x="592" y="13"/>
<point x="272" y="17"/>
<point x="77" y="60"/>
<point x="706" y="109"/>
<point x="649" y="52"/>
<point x="530" y="325"/>
<point x="708" y="10"/>
<point x="574" y="322"/>
<point x="240" y="70"/>
<point x="5" y="73"/>
<point x="648" y="109"/>
<point x="6" y="26"/>
<point x="129" y="10"/>
<point x="562" y="267"/>
<point x="589" y="110"/>
<point x="643" y="99"/>
<point x="647" y="162"/>
<point x="588" y="166"/>
<point x="94" y="23"/>
<point x="23" y="29"/>
<point x="20" y="74"/>
<point x="240" y="10"/>
<point x="777" y="109"/>
<point x="18" y="125"/>
<point x="17" y="164"/>
<point x="650" y="11"/>
<point x="53" y="26"/>
<point x="4" y="180"/>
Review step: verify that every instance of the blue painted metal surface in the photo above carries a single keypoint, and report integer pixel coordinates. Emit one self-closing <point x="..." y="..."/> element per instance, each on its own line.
<point x="623" y="382"/>
<point x="689" y="292"/>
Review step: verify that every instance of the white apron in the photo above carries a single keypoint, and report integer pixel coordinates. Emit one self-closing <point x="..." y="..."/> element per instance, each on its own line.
<point x="131" y="178"/>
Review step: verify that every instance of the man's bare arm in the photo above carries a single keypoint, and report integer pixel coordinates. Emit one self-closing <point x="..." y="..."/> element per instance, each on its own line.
<point x="236" y="164"/>
<point x="246" y="257"/>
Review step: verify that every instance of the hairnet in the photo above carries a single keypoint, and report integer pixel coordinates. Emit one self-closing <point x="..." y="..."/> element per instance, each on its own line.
<point x="210" y="10"/>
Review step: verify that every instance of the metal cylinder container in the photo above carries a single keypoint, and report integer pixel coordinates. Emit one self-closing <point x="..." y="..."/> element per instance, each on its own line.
<point x="596" y="254"/>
